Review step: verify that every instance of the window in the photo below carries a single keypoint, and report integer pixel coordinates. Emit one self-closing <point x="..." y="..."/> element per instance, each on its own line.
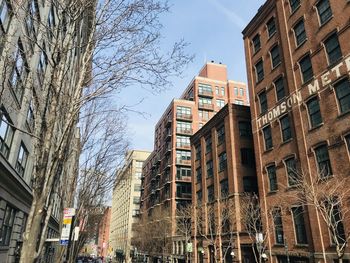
<point x="138" y="164"/>
<point x="135" y="212"/>
<point x="299" y="224"/>
<point x="32" y="21"/>
<point x="256" y="43"/>
<point x="21" y="159"/>
<point x="241" y="92"/>
<point x="342" y="89"/>
<point x="271" y="26"/>
<point x="7" y="226"/>
<point x="209" y="166"/>
<point x="199" y="175"/>
<point x="51" y="22"/>
<point x="280" y="90"/>
<point x="220" y="103"/>
<point x="299" y="32"/>
<point x="292" y="173"/>
<point x="324" y="11"/>
<point x="217" y="90"/>
<point x="182" y="141"/>
<point x="294" y="4"/>
<point x="182" y="172"/>
<point x="259" y="69"/>
<point x="235" y="91"/>
<point x="271" y="173"/>
<point x="137" y="187"/>
<point x="263" y="102"/>
<point x="275" y="56"/>
<point x="30" y="116"/>
<point x="183" y="127"/>
<point x="199" y="197"/>
<point x="138" y="175"/>
<point x="202" y="101"/>
<point x="19" y="73"/>
<point x="267" y="137"/>
<point x="6" y="134"/>
<point x="183" y="156"/>
<point x="222" y="91"/>
<point x="183" y="190"/>
<point x="285" y="128"/>
<point x="314" y="112"/>
<point x="42" y="64"/>
<point x="208" y="144"/>
<point x="239" y="102"/>
<point x="221" y="135"/>
<point x="333" y="48"/>
<point x="323" y="161"/>
<point x="198" y="152"/>
<point x="203" y="114"/>
<point x="247" y="157"/>
<point x="222" y="161"/>
<point x="210" y="193"/>
<point x="5" y="15"/>
<point x="136" y="200"/>
<point x="277" y="220"/>
<point x="250" y="184"/>
<point x="204" y="89"/>
<point x="245" y="129"/>
<point x="306" y="68"/>
<point x="224" y="188"/>
<point x="183" y="111"/>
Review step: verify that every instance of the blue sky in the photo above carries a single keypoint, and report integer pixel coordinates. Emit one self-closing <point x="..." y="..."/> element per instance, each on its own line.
<point x="213" y="30"/>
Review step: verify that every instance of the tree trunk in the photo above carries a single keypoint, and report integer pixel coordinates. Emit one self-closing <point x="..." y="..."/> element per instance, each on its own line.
<point x="29" y="252"/>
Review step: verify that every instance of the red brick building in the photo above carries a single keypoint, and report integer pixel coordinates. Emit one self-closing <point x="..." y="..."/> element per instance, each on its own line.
<point x="166" y="181"/>
<point x="103" y="233"/>
<point x="298" y="64"/>
<point x="223" y="168"/>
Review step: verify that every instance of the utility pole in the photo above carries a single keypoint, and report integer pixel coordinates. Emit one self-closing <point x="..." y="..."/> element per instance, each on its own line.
<point x="286" y="248"/>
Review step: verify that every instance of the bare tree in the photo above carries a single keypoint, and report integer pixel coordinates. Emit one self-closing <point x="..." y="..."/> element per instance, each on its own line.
<point x="153" y="234"/>
<point x="184" y="225"/>
<point x="215" y="223"/>
<point x="91" y="49"/>
<point x="330" y="198"/>
<point x="252" y="218"/>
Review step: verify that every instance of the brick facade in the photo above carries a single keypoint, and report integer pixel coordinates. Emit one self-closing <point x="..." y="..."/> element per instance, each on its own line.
<point x="298" y="64"/>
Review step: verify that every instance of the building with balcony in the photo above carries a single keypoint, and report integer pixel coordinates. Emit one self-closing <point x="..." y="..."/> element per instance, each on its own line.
<point x="167" y="182"/>
<point x="298" y="64"/>
<point x="223" y="169"/>
<point x="126" y="205"/>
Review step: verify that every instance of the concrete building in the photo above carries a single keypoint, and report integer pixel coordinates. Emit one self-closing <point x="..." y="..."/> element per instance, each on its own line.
<point x="23" y="64"/>
<point x="103" y="233"/>
<point x="223" y="168"/>
<point x="298" y="64"/>
<point x="126" y="205"/>
<point x="166" y="184"/>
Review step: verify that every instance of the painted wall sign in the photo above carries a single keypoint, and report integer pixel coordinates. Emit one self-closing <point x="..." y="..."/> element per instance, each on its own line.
<point x="321" y="82"/>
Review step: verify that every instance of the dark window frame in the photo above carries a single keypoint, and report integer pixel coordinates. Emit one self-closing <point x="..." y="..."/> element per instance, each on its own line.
<point x="326" y="14"/>
<point x="299" y="225"/>
<point x="323" y="161"/>
<point x="315" y="115"/>
<point x="342" y="90"/>
<point x="275" y="56"/>
<point x="286" y="128"/>
<point x="268" y="141"/>
<point x="7" y="225"/>
<point x="306" y="69"/>
<point x="259" y="70"/>
<point x="271" y="27"/>
<point x="272" y="177"/>
<point x="333" y="49"/>
<point x="300" y="32"/>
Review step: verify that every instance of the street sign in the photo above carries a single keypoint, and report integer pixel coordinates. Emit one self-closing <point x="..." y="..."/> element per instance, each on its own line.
<point x="68" y="214"/>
